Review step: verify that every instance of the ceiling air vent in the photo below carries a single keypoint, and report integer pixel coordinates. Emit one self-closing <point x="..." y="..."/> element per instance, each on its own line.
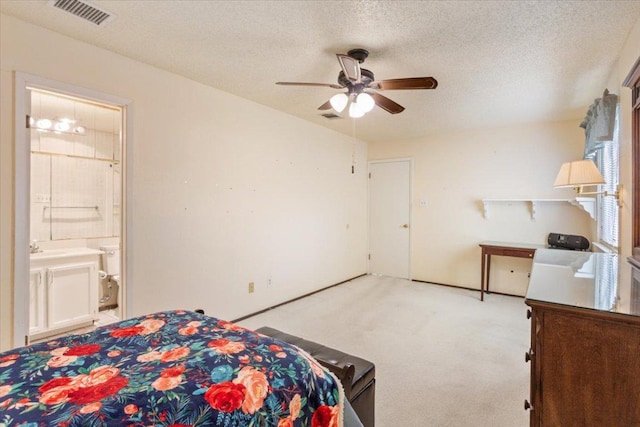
<point x="83" y="10"/>
<point x="331" y="116"/>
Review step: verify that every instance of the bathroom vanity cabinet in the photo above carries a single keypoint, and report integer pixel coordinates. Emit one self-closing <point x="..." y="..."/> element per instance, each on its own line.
<point x="63" y="291"/>
<point x="585" y="342"/>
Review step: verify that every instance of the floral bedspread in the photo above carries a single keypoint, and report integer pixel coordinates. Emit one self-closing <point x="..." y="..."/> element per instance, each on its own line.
<point x="174" y="368"/>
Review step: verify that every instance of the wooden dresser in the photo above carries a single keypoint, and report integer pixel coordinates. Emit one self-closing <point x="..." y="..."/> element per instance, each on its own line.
<point x="585" y="342"/>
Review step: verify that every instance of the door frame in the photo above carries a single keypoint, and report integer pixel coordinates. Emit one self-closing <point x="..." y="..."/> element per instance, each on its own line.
<point x="22" y="185"/>
<point x="410" y="207"/>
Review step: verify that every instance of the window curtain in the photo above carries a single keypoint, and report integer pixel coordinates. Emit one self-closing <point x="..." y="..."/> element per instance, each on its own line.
<point x="599" y="123"/>
<point x="601" y="146"/>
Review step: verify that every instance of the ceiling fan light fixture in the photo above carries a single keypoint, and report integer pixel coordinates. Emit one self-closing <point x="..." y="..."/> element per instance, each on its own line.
<point x="357" y="80"/>
<point x="356" y="110"/>
<point x="365" y="102"/>
<point x="339" y="101"/>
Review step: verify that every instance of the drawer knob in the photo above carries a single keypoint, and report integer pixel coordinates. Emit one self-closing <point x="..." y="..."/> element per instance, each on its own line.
<point x="527" y="405"/>
<point x="528" y="314"/>
<point x="527" y="356"/>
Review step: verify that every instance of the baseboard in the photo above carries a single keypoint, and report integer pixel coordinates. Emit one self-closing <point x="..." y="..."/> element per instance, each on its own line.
<point x="467" y="289"/>
<point x="239" y="319"/>
<point x="295" y="299"/>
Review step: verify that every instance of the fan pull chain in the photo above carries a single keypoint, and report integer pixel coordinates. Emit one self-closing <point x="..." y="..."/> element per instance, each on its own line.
<point x="353" y="146"/>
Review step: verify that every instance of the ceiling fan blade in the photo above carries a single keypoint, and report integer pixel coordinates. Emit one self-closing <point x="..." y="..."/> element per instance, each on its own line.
<point x="386" y="104"/>
<point x="350" y="66"/>
<point x="309" y="84"/>
<point x="408" y="83"/>
<point x="325" y="106"/>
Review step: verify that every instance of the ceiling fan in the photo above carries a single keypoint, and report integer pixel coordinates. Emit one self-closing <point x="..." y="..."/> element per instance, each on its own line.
<point x="361" y="86"/>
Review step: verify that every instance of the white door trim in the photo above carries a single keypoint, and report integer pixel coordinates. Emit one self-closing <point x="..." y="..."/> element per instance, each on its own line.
<point x="399" y="159"/>
<point x="22" y="185"/>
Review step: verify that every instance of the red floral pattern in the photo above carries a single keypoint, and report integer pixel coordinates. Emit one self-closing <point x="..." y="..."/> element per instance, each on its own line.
<point x="82" y="350"/>
<point x="100" y="383"/>
<point x="127" y="332"/>
<point x="325" y="416"/>
<point x="226" y="397"/>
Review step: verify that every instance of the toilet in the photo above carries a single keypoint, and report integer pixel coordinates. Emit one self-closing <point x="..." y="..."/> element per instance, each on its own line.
<point x="111" y="272"/>
<point x="111" y="262"/>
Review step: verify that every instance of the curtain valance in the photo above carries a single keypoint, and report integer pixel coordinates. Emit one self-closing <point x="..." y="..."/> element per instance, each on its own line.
<point x="599" y="123"/>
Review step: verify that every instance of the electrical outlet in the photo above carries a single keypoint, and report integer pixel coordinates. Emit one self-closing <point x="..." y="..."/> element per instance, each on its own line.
<point x="269" y="283"/>
<point x="252" y="287"/>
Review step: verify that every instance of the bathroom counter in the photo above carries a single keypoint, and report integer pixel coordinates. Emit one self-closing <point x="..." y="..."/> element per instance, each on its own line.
<point x="63" y="253"/>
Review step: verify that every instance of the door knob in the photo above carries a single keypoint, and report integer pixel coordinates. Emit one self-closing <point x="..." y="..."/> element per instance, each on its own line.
<point x="405" y="225"/>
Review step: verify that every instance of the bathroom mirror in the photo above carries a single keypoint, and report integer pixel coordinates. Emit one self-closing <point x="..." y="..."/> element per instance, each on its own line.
<point x="76" y="183"/>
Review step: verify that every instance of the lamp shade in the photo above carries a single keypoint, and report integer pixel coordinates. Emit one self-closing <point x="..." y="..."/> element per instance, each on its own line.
<point x="578" y="173"/>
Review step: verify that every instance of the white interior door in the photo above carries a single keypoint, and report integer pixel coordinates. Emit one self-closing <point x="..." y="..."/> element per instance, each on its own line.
<point x="389" y="218"/>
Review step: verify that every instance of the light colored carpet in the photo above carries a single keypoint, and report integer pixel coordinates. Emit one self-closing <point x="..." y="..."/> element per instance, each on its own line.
<point x="442" y="357"/>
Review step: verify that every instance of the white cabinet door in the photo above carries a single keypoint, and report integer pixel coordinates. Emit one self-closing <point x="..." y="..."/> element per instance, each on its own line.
<point x="37" y="308"/>
<point x="71" y="294"/>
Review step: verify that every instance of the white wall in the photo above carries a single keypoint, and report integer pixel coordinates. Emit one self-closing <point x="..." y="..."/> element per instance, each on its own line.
<point x="223" y="191"/>
<point x="453" y="171"/>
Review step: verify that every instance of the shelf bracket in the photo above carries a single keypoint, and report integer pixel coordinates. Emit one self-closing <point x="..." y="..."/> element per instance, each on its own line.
<point x="533" y="209"/>
<point x="587" y="204"/>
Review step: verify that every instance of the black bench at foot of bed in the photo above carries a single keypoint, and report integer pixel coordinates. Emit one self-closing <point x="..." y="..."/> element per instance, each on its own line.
<point x="358" y="376"/>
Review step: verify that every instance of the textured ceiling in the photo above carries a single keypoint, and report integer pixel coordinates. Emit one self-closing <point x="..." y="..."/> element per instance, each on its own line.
<point x="497" y="62"/>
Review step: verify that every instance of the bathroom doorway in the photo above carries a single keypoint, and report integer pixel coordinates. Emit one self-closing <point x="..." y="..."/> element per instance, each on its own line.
<point x="75" y="204"/>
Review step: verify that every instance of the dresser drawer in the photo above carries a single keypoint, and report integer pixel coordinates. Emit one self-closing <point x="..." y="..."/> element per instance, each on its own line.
<point x="518" y="253"/>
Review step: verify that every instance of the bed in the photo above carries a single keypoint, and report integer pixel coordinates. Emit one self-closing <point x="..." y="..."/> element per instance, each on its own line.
<point x="173" y="368"/>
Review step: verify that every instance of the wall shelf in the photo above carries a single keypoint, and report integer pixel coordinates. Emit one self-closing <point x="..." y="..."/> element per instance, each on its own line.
<point x="533" y="204"/>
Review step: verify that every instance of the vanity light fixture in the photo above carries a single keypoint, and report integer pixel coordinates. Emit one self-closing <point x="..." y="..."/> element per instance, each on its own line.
<point x="43" y="124"/>
<point x="62" y="125"/>
<point x="579" y="174"/>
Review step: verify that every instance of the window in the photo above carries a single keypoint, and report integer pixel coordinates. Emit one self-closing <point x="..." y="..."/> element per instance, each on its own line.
<point x="608" y="161"/>
<point x="606" y="280"/>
